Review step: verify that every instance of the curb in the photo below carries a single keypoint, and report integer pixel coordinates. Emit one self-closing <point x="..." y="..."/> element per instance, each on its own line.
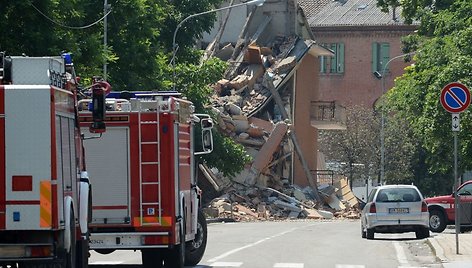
<point x="215" y="220"/>
<point x="438" y="250"/>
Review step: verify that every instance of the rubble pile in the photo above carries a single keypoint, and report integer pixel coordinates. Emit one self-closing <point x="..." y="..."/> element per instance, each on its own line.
<point x="253" y="106"/>
<point x="240" y="203"/>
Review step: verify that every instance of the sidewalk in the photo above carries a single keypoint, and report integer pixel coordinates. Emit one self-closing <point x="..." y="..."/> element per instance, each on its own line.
<point x="445" y="246"/>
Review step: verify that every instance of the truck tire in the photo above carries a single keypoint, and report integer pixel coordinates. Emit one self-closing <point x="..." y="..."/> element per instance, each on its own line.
<point x="82" y="253"/>
<point x="70" y="257"/>
<point x="176" y="256"/>
<point x="195" y="249"/>
<point x="151" y="258"/>
<point x="437" y="221"/>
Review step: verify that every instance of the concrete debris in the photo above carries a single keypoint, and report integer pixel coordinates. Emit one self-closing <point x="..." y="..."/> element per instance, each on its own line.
<point x="253" y="106"/>
<point x="261" y="204"/>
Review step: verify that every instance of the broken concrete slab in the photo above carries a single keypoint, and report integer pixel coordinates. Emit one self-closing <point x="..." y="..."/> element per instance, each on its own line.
<point x="253" y="72"/>
<point x="265" y="154"/>
<point x="287" y="206"/>
<point x="345" y="193"/>
<point x="326" y="214"/>
<point x="267" y="126"/>
<point x="225" y="52"/>
<point x="335" y="203"/>
<point x="285" y="65"/>
<point x="312" y="214"/>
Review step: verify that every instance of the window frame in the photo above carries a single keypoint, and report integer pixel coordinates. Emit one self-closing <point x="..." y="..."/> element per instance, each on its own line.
<point x="380" y="56"/>
<point x="333" y="64"/>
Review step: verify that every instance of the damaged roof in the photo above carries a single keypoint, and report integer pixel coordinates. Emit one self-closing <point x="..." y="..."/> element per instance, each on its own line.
<point x="312" y="7"/>
<point x="297" y="50"/>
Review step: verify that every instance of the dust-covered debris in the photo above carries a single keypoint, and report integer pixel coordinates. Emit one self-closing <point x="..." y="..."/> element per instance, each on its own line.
<point x="253" y="105"/>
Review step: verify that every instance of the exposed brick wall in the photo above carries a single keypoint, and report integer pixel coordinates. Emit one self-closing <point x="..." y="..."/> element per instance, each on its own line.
<point x="307" y="135"/>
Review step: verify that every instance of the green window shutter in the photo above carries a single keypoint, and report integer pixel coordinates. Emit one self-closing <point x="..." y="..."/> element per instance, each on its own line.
<point x="340" y="57"/>
<point x="333" y="65"/>
<point x="385" y="55"/>
<point x="375" y="57"/>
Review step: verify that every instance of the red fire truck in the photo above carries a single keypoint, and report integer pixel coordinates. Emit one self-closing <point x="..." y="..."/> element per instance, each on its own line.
<point x="145" y="194"/>
<point x="442" y="211"/>
<point x="44" y="186"/>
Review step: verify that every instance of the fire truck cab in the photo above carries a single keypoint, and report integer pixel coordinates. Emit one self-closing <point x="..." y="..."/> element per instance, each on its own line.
<point x="44" y="185"/>
<point x="145" y="194"/>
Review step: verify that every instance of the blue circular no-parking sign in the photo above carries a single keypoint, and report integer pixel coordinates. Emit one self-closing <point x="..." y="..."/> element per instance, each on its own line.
<point x="455" y="97"/>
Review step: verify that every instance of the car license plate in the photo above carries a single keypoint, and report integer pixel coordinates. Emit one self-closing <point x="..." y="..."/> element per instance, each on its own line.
<point x="398" y="210"/>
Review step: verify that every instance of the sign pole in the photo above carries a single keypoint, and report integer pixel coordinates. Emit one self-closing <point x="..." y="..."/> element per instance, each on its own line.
<point x="455" y="98"/>
<point x="456" y="196"/>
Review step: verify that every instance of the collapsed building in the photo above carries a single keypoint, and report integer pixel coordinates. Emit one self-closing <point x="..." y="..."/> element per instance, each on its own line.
<point x="268" y="102"/>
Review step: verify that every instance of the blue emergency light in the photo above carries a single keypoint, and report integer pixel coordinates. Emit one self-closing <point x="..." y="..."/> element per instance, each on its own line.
<point x="67" y="58"/>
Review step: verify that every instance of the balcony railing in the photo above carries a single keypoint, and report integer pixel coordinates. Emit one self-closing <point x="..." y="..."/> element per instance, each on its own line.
<point x="327" y="115"/>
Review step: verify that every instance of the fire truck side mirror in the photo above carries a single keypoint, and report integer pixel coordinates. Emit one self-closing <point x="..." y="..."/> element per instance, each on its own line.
<point x="207" y="141"/>
<point x="206" y="124"/>
<point x="98" y="110"/>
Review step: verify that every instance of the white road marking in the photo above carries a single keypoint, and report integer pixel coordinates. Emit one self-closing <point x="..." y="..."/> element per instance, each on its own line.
<point x="105" y="262"/>
<point x="349" y="266"/>
<point x="226" y="264"/>
<point x="226" y="254"/>
<point x="401" y="257"/>
<point x="288" y="265"/>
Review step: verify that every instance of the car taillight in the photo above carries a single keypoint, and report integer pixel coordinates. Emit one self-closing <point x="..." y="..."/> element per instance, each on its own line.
<point x="424" y="207"/>
<point x="372" y="208"/>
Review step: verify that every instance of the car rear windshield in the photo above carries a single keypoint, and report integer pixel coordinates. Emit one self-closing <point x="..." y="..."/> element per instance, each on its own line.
<point x="398" y="195"/>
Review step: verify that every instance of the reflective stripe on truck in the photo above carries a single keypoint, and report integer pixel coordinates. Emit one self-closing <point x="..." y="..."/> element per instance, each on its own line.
<point x="45" y="204"/>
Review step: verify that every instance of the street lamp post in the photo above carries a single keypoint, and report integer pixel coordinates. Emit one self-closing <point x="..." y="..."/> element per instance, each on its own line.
<point x="382" y="121"/>
<point x="106" y="8"/>
<point x="174" y="44"/>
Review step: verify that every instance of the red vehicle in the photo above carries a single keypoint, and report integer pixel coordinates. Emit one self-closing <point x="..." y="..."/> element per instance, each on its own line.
<point x="441" y="208"/>
<point x="44" y="184"/>
<point x="145" y="195"/>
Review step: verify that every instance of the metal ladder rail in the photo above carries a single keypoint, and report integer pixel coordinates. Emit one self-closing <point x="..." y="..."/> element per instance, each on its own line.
<point x="142" y="184"/>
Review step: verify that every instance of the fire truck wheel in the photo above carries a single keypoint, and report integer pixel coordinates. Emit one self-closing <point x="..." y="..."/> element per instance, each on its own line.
<point x="196" y="248"/>
<point x="70" y="257"/>
<point x="176" y="256"/>
<point x="437" y="221"/>
<point x="82" y="254"/>
<point x="151" y="258"/>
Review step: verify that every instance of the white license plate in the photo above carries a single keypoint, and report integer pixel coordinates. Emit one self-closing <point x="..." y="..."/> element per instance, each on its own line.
<point x="398" y="210"/>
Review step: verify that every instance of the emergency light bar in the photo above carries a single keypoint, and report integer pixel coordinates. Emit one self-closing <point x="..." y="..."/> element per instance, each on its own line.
<point x="141" y="94"/>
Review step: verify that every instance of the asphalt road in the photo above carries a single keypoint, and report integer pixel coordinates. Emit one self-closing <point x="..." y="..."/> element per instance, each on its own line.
<point x="297" y="244"/>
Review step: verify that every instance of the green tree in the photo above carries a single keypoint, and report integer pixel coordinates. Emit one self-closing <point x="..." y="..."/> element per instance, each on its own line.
<point x="357" y="146"/>
<point x="444" y="55"/>
<point x="139" y="46"/>
<point x="39" y="28"/>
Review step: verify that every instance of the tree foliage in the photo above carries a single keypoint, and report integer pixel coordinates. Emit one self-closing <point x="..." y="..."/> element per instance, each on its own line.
<point x="444" y="56"/>
<point x="138" y="51"/>
<point x="357" y="147"/>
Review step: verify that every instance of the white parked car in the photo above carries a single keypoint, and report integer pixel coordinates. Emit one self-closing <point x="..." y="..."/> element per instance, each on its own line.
<point x="395" y="209"/>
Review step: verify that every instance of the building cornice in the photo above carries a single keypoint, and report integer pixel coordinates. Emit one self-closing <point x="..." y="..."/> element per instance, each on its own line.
<point x="365" y="28"/>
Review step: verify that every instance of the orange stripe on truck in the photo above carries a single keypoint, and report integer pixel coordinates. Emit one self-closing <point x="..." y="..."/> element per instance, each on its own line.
<point x="45" y="204"/>
<point x="165" y="221"/>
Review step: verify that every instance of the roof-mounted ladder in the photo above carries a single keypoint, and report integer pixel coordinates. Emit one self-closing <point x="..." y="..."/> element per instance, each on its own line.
<point x="149" y="165"/>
